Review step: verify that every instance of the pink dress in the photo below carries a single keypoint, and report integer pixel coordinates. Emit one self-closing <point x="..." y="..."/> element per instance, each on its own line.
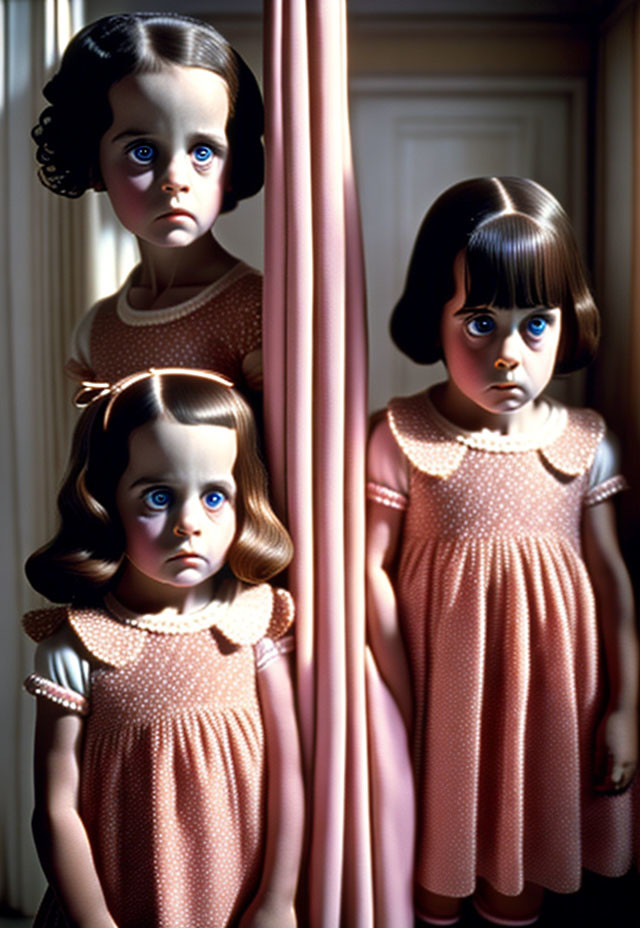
<point x="498" y="615"/>
<point x="173" y="764"/>
<point x="214" y="330"/>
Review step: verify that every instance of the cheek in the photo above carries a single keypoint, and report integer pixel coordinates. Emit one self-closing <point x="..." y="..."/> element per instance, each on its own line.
<point x="223" y="532"/>
<point x="464" y="362"/>
<point x="127" y="193"/>
<point x="142" y="534"/>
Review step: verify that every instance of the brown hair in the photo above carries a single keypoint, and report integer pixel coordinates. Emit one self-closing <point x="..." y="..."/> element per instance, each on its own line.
<point x="520" y="251"/>
<point x="82" y="560"/>
<point x="69" y="130"/>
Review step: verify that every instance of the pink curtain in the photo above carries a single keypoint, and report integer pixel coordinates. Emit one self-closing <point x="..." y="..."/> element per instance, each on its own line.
<point x="316" y="422"/>
<point x="315" y="397"/>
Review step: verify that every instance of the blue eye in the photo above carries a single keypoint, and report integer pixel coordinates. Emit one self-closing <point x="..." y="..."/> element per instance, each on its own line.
<point x="536" y="326"/>
<point x="203" y="154"/>
<point x="158" y="499"/>
<point x="481" y="325"/>
<point x="214" y="500"/>
<point x="143" y="154"/>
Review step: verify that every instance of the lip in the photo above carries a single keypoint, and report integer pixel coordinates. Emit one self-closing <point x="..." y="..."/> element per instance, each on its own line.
<point x="177" y="214"/>
<point x="186" y="556"/>
<point x="505" y="386"/>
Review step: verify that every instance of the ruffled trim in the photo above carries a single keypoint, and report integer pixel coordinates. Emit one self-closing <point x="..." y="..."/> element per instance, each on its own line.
<point x="282" y="613"/>
<point x="38" y="685"/>
<point x="41" y="623"/>
<point x="386" y="496"/>
<point x="421" y="437"/>
<point x="604" y="490"/>
<point x="567" y="441"/>
<point x="572" y="453"/>
<point x="115" y="636"/>
<point x="141" y="317"/>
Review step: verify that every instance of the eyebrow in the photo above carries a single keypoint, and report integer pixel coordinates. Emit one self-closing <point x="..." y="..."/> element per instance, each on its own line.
<point x="222" y="483"/>
<point x="126" y="133"/>
<point x="220" y="140"/>
<point x="471" y="310"/>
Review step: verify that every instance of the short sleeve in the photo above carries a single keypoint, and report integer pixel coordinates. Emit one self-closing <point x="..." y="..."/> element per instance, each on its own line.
<point x="605" y="478"/>
<point x="278" y="639"/>
<point x="268" y="650"/>
<point x="387" y="469"/>
<point x="79" y="363"/>
<point x="62" y="673"/>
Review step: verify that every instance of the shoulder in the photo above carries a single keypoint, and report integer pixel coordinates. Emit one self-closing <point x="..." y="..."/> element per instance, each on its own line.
<point x="244" y="287"/>
<point x="79" y="365"/>
<point x="245" y="613"/>
<point x="41" y="623"/>
<point x="282" y="613"/>
<point x="572" y="450"/>
<point x="62" y="664"/>
<point x="387" y="466"/>
<point x="278" y="640"/>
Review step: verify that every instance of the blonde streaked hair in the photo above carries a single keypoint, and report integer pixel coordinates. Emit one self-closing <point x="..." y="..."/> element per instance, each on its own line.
<point x="82" y="561"/>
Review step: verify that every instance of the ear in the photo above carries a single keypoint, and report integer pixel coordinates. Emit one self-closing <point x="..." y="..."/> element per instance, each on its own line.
<point x="95" y="180"/>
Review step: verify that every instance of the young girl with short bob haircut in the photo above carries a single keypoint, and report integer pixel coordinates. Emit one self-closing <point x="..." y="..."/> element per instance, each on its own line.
<point x="159" y="111"/>
<point x="167" y="773"/>
<point x="500" y="609"/>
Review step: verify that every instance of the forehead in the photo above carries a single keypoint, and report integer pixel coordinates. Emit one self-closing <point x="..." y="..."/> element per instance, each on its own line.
<point x="190" y="95"/>
<point x="165" y="446"/>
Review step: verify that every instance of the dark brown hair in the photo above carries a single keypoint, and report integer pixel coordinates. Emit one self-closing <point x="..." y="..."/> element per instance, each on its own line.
<point x="82" y="560"/>
<point x="520" y="251"/>
<point x="69" y="130"/>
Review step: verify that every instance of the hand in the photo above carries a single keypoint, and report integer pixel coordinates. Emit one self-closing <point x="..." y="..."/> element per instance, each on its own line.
<point x="265" y="913"/>
<point x="616" y="750"/>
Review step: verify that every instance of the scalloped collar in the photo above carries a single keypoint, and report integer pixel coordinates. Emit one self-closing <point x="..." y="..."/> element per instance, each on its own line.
<point x="116" y="636"/>
<point x="567" y="440"/>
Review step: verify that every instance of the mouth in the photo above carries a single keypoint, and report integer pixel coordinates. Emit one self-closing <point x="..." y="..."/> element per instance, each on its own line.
<point x="177" y="214"/>
<point x="504" y="386"/>
<point x="187" y="557"/>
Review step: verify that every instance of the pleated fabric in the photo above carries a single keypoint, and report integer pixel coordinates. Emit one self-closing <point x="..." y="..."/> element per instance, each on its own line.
<point x="315" y="398"/>
<point x="500" y="624"/>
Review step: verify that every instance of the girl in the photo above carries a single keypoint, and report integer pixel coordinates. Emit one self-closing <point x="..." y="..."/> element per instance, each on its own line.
<point x="159" y="111"/>
<point x="496" y="584"/>
<point x="164" y="696"/>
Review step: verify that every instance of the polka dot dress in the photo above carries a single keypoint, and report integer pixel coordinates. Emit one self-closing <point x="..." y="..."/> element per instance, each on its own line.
<point x="499" y="619"/>
<point x="215" y="330"/>
<point x="173" y="765"/>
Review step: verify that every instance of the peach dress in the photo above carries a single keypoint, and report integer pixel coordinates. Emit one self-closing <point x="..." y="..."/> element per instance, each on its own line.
<point x="499" y="620"/>
<point x="214" y="330"/>
<point x="172" y="788"/>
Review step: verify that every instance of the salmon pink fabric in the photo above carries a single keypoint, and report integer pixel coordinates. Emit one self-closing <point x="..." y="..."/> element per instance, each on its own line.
<point x="315" y="399"/>
<point x="499" y="618"/>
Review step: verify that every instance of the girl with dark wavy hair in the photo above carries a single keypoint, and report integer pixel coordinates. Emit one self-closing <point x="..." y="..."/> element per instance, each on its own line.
<point x="167" y="771"/>
<point x="500" y="609"/>
<point x="160" y="111"/>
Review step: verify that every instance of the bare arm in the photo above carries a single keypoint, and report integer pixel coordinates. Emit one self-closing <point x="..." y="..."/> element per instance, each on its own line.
<point x="59" y="833"/>
<point x="274" y="904"/>
<point x="386" y="467"/>
<point x="383" y="532"/>
<point x="617" y="738"/>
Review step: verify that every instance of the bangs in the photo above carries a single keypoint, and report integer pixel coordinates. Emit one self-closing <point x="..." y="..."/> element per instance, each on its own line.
<point x="514" y="261"/>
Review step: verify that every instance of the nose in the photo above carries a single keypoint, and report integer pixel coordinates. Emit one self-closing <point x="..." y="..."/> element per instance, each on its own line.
<point x="505" y="364"/>
<point x="176" y="177"/>
<point x="186" y="523"/>
<point x="509" y="352"/>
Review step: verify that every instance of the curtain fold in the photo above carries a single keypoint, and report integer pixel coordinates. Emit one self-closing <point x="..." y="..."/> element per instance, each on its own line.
<point x="315" y="399"/>
<point x="37" y="231"/>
